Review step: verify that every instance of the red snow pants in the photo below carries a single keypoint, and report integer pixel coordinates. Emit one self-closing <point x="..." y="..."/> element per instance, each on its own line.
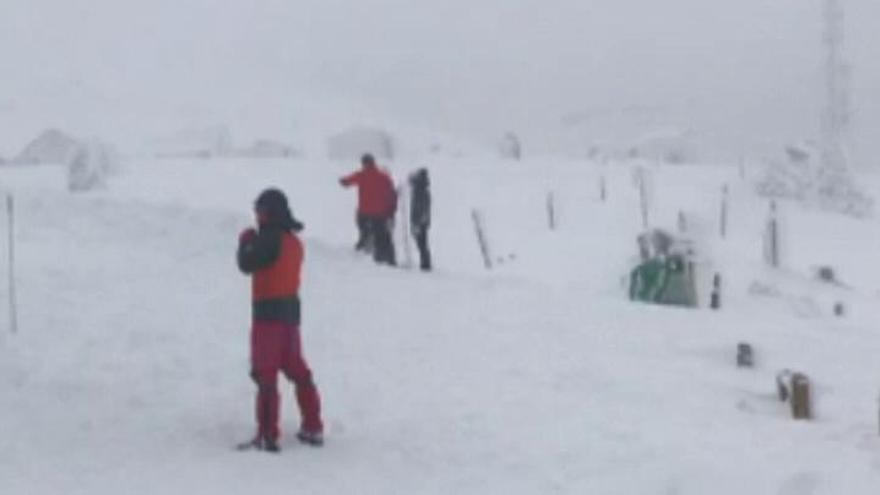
<point x="275" y="346"/>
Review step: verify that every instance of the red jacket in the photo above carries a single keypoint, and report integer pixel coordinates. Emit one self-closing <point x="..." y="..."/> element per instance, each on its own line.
<point x="376" y="194"/>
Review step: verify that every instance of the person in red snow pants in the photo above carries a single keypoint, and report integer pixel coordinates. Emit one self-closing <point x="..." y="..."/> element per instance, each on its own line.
<point x="273" y="256"/>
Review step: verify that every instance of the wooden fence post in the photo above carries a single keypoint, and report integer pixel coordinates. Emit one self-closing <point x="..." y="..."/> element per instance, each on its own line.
<point x="481" y="238"/>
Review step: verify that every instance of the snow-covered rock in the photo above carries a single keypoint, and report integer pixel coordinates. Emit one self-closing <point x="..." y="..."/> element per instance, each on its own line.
<point x="352" y="143"/>
<point x="51" y="146"/>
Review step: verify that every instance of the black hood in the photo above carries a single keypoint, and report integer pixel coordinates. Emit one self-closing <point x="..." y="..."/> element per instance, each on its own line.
<point x="419" y="178"/>
<point x="272" y="203"/>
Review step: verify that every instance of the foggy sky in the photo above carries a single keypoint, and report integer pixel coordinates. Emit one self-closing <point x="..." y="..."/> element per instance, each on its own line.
<point x="748" y="69"/>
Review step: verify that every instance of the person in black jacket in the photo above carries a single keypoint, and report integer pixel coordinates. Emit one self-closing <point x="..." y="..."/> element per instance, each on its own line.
<point x="420" y="215"/>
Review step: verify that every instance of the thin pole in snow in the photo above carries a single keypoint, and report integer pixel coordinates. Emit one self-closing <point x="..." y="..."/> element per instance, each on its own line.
<point x="551" y="210"/>
<point x="13" y="310"/>
<point x="643" y="200"/>
<point x="772" y="237"/>
<point x="481" y="238"/>
<point x="725" y="194"/>
<point x="404" y="196"/>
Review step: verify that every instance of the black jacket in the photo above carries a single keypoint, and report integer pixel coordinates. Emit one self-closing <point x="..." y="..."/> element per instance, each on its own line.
<point x="420" y="206"/>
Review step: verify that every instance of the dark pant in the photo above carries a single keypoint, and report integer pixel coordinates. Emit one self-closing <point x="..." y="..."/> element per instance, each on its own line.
<point x="364" y="242"/>
<point x="275" y="346"/>
<point x="379" y="229"/>
<point x="421" y="237"/>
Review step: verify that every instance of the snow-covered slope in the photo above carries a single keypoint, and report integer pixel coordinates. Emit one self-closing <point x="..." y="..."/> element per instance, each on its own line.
<point x="129" y="373"/>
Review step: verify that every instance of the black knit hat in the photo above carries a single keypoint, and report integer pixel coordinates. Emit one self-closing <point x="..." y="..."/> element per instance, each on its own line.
<point x="273" y="204"/>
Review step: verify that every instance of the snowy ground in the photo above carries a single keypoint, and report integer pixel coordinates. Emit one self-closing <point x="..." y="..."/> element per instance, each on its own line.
<point x="129" y="372"/>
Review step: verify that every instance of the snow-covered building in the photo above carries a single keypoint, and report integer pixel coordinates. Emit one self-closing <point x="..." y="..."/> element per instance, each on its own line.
<point x="265" y="148"/>
<point x="352" y="143"/>
<point x="206" y="142"/>
<point x="51" y="146"/>
<point x="669" y="145"/>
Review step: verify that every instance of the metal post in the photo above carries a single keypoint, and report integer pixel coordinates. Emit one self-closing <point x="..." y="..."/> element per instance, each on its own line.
<point x="551" y="210"/>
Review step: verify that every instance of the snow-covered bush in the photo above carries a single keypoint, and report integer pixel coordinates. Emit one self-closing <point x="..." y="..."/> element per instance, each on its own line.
<point x="803" y="175"/>
<point x="89" y="166"/>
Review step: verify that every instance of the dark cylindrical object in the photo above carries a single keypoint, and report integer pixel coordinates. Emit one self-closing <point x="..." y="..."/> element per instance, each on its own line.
<point x="800" y="397"/>
<point x="745" y="357"/>
<point x="715" y="302"/>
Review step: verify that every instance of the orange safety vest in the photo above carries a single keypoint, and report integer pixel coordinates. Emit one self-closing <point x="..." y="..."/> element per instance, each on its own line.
<point x="282" y="278"/>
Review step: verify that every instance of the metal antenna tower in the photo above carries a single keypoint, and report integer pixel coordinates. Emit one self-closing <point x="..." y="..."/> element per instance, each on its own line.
<point x="836" y="116"/>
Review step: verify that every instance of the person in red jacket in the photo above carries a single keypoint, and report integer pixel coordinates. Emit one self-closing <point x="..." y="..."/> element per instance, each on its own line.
<point x="377" y="204"/>
<point x="273" y="255"/>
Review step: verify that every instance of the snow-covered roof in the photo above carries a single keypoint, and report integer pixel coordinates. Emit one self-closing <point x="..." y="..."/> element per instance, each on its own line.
<point x="51" y="146"/>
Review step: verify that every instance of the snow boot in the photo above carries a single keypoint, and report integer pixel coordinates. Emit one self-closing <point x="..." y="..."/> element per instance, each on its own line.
<point x="312" y="438"/>
<point x="259" y="443"/>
